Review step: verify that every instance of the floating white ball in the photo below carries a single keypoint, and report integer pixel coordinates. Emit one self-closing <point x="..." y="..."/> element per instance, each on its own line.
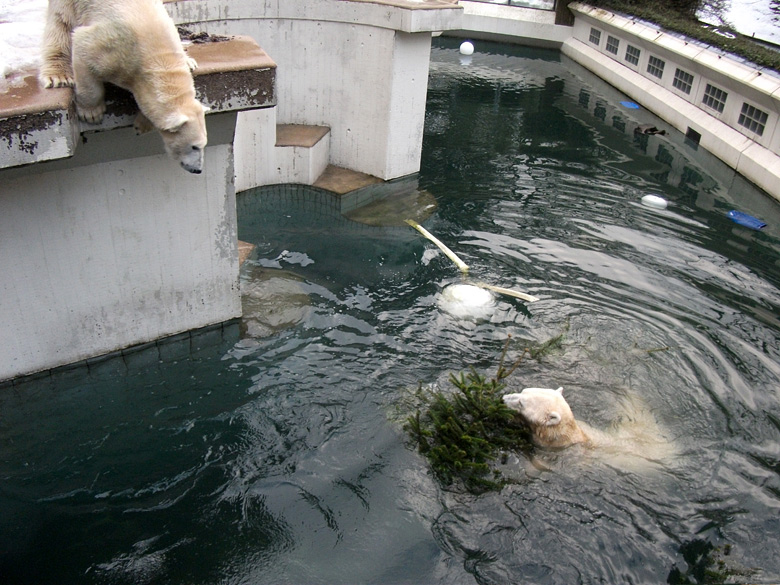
<point x="466" y="48"/>
<point x="467" y="301"/>
<point x="468" y="295"/>
<point x="654" y="201"/>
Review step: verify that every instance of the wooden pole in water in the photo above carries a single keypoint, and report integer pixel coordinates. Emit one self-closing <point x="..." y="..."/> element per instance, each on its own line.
<point x="508" y="291"/>
<point x="449" y="253"/>
<point x="464" y="267"/>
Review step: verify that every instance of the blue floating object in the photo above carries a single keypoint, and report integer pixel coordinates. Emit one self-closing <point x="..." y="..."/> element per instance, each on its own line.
<point x="745" y="220"/>
<point x="630" y="105"/>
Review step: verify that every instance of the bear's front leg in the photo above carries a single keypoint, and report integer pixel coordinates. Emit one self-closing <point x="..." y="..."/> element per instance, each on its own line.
<point x="90" y="102"/>
<point x="56" y="69"/>
<point x="90" y="92"/>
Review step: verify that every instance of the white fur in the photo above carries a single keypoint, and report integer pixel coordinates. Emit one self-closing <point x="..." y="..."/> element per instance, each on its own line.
<point x="134" y="45"/>
<point x="635" y="437"/>
<point x="548" y="415"/>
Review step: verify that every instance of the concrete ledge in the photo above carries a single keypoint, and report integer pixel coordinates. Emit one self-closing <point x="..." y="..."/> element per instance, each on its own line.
<point x="300" y="135"/>
<point x="35" y="125"/>
<point x="234" y="75"/>
<point x="340" y="181"/>
<point x="409" y="16"/>
<point x="39" y="124"/>
<point x="513" y="24"/>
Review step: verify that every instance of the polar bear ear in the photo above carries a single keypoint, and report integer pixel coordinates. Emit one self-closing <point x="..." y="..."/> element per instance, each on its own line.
<point x="553" y="418"/>
<point x="174" y="122"/>
<point x="559" y="390"/>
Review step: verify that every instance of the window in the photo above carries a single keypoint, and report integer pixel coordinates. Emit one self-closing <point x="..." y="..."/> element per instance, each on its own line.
<point x="613" y="44"/>
<point x="655" y="67"/>
<point x="714" y="98"/>
<point x="632" y="55"/>
<point x="683" y="81"/>
<point x="595" y="36"/>
<point x="753" y="119"/>
<point x="692" y="138"/>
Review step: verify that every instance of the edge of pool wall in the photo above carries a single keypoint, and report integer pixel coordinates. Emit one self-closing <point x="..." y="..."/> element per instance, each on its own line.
<point x="752" y="155"/>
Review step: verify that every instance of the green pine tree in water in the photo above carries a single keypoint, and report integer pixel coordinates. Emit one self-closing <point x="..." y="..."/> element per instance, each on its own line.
<point x="462" y="433"/>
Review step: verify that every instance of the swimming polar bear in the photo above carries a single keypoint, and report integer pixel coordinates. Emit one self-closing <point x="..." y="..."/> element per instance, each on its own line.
<point x="134" y="45"/>
<point x="548" y="416"/>
<point x="636" y="435"/>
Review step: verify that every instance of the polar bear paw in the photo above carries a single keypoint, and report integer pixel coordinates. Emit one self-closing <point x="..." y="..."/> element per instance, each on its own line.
<point x="93" y="115"/>
<point x="192" y="64"/>
<point x="57" y="80"/>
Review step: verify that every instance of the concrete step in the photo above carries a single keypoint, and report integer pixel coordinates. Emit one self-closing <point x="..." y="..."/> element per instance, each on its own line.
<point x="340" y="181"/>
<point x="302" y="152"/>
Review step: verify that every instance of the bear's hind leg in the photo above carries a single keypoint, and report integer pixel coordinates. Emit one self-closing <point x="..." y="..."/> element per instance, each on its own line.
<point x="56" y="69"/>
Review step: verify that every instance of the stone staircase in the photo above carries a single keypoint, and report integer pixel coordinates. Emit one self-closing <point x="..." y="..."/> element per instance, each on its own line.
<point x="293" y="154"/>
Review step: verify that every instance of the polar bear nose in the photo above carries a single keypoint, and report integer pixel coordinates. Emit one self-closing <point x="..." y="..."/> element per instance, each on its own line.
<point x="190" y="169"/>
<point x="514" y="401"/>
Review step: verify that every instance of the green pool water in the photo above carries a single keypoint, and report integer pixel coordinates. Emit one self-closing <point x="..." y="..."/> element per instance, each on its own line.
<point x="276" y="455"/>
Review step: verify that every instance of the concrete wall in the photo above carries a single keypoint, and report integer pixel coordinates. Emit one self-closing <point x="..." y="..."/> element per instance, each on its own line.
<point x="111" y="251"/>
<point x="751" y="154"/>
<point x="360" y="68"/>
<point x="742" y="81"/>
<point x="367" y="84"/>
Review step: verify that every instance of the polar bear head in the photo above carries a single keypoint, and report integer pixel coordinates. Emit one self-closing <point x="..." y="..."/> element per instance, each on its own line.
<point x="184" y="135"/>
<point x="548" y="416"/>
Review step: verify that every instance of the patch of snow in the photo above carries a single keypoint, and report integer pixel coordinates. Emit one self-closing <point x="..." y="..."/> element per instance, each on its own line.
<point x="21" y="32"/>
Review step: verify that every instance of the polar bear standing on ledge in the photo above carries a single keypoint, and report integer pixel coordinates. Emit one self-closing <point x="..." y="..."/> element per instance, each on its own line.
<point x="133" y="44"/>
